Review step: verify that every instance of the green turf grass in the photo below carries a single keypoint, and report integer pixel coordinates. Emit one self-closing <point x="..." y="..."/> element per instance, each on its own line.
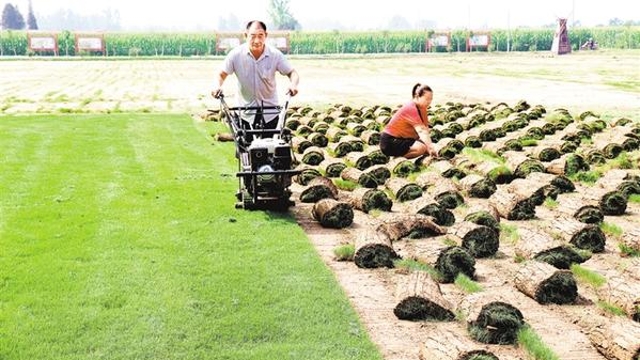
<point x="119" y="240"/>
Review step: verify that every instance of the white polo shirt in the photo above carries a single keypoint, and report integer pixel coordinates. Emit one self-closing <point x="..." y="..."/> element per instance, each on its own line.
<point x="257" y="77"/>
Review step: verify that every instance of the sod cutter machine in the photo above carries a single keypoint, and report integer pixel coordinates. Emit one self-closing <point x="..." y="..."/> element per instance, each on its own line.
<point x="265" y="157"/>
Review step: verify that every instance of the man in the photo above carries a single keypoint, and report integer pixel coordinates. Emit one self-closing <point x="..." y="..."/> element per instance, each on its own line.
<point x="255" y="64"/>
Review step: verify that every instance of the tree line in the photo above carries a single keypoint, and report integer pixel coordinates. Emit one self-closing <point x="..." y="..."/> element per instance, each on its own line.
<point x="12" y="18"/>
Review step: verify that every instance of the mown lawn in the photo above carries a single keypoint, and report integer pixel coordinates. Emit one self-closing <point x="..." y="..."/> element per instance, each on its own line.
<point x="119" y="240"/>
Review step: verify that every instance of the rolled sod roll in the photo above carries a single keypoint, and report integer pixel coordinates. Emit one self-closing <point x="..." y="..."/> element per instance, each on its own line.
<point x="331" y="213"/>
<point x="497" y="323"/>
<point x="418" y="297"/>
<point x="567" y="164"/>
<point x="358" y="159"/>
<point x="374" y="250"/>
<point x="455" y="260"/>
<point x="546" y="284"/>
<point x="427" y="205"/>
<point x="478" y="186"/>
<point x="379" y="172"/>
<point x="376" y="155"/>
<point x="613" y="203"/>
<point x="511" y="205"/>
<point x="448" y="345"/>
<point x="340" y="149"/>
<point x="561" y="257"/>
<point x="371" y="137"/>
<point x="403" y="190"/>
<point x="479" y="240"/>
<point x="362" y="178"/>
<point x="583" y="236"/>
<point x="320" y="187"/>
<point x="485" y="218"/>
<point x="366" y="200"/>
<point x="306" y="175"/>
<point x="318" y="139"/>
<point x="300" y="144"/>
<point x="332" y="167"/>
<point x="537" y="244"/>
<point x="401" y="167"/>
<point x="615" y="337"/>
<point x="589" y="214"/>
<point x="624" y="293"/>
<point x="313" y="155"/>
<point x="409" y="225"/>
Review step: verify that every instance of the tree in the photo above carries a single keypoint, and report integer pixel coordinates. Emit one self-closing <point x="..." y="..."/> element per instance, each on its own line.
<point x="66" y="19"/>
<point x="11" y="18"/>
<point x="423" y="24"/>
<point x="399" y="23"/>
<point x="229" y="23"/>
<point x="281" y="16"/>
<point x="615" y="22"/>
<point x="32" y="24"/>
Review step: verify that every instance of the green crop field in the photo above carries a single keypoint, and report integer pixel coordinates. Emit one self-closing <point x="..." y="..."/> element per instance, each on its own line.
<point x="119" y="238"/>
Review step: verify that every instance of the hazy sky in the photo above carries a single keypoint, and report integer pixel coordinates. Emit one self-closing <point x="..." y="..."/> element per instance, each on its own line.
<point x="355" y="14"/>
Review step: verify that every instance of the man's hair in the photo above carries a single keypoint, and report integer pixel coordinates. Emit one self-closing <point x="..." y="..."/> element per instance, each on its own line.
<point x="261" y="24"/>
<point x="419" y="90"/>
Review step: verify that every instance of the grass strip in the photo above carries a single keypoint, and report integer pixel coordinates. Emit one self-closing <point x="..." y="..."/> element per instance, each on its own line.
<point x="119" y="240"/>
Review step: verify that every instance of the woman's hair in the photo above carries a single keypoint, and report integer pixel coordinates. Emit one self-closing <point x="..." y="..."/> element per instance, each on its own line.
<point x="419" y="90"/>
<point x="261" y="24"/>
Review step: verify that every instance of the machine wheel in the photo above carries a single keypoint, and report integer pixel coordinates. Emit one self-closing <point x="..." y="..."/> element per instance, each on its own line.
<point x="245" y="201"/>
<point x="281" y="205"/>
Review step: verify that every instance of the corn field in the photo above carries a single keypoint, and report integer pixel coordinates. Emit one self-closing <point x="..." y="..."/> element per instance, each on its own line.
<point x="15" y="43"/>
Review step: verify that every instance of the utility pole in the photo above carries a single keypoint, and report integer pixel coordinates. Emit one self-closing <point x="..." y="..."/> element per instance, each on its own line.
<point x="508" y="29"/>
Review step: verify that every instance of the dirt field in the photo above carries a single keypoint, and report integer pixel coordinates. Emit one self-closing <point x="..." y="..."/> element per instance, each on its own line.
<point x="583" y="80"/>
<point x="577" y="82"/>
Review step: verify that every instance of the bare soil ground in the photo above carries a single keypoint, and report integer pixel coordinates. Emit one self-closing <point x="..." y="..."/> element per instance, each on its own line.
<point x="584" y="80"/>
<point x="372" y="293"/>
<point x="577" y="82"/>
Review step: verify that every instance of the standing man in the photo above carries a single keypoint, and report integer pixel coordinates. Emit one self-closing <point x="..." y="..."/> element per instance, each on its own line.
<point x="255" y="64"/>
